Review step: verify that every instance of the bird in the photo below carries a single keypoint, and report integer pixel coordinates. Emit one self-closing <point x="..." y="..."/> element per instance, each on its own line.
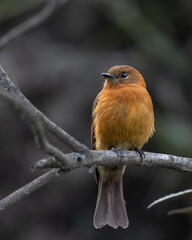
<point x="122" y="119"/>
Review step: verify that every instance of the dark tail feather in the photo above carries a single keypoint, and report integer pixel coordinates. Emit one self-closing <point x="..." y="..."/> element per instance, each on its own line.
<point x="110" y="207"/>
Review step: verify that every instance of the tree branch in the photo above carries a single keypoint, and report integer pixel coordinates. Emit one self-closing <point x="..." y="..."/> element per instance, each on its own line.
<point x="129" y="158"/>
<point x="70" y="141"/>
<point x="31" y="23"/>
<point x="172" y="196"/>
<point x="83" y="157"/>
<point x="35" y="124"/>
<point x="97" y="158"/>
<point x="28" y="189"/>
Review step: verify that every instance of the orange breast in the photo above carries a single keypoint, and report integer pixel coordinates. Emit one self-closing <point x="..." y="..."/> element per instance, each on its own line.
<point x="123" y="118"/>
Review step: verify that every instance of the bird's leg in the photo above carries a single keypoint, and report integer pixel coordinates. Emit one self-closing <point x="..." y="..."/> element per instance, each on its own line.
<point x="140" y="152"/>
<point x="118" y="151"/>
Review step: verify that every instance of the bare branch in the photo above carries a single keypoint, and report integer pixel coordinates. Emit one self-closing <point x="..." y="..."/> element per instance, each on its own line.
<point x="83" y="157"/>
<point x="70" y="141"/>
<point x="173" y="196"/>
<point x="35" y="125"/>
<point x="77" y="160"/>
<point x="31" y="23"/>
<point x="28" y="189"/>
<point x="45" y="163"/>
<point x="129" y="158"/>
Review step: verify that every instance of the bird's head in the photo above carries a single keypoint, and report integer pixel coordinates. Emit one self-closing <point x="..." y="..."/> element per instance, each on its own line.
<point x="123" y="74"/>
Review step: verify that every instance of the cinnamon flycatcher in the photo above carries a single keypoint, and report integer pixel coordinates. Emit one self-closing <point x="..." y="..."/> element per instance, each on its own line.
<point x="123" y="119"/>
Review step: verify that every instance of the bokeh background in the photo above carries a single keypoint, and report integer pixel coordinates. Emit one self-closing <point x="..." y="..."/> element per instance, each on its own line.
<point x="57" y="66"/>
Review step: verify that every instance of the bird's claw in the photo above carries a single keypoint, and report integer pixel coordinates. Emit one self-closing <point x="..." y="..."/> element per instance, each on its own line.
<point x="118" y="151"/>
<point x="140" y="152"/>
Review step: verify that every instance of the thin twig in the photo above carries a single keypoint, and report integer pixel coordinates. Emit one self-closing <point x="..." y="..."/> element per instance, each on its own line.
<point x="173" y="196"/>
<point x="28" y="189"/>
<point x="31" y="23"/>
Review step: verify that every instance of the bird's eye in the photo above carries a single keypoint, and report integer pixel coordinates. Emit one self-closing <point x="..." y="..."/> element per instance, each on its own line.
<point x="124" y="75"/>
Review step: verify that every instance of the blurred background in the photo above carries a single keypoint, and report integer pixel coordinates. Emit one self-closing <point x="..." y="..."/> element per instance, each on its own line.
<point x="57" y="66"/>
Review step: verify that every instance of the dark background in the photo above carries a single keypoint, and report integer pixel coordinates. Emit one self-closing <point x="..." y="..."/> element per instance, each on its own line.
<point x="57" y="66"/>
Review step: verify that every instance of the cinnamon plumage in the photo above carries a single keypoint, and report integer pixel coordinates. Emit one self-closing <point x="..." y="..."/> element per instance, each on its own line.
<point x="123" y="119"/>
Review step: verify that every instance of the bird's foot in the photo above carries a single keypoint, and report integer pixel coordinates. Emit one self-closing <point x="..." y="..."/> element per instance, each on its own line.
<point x="140" y="152"/>
<point x="118" y="151"/>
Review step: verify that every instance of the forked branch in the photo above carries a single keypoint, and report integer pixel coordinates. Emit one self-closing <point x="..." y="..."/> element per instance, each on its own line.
<point x="81" y="157"/>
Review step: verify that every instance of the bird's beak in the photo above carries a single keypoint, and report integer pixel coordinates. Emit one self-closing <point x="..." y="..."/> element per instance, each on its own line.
<point x="107" y="75"/>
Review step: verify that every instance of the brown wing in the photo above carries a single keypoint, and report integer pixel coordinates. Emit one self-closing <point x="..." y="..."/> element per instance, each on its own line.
<point x="92" y="125"/>
<point x="93" y="139"/>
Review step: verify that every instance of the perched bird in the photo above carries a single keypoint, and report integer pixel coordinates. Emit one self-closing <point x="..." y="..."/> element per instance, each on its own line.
<point x="123" y="119"/>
